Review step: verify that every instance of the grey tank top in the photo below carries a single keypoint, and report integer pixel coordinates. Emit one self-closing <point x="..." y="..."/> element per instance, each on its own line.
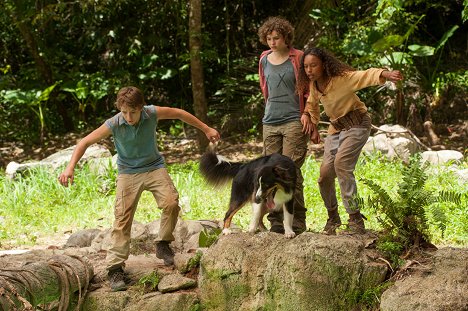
<point x="283" y="103"/>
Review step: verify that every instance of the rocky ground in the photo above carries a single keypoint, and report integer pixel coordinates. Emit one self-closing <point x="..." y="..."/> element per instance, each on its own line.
<point x="180" y="150"/>
<point x="175" y="150"/>
<point x="309" y="271"/>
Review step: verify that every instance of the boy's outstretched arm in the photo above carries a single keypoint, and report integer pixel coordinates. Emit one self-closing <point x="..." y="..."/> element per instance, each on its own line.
<point x="176" y="113"/>
<point x="68" y="174"/>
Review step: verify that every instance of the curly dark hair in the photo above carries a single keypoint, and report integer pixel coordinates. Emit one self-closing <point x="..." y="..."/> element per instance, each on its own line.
<point x="278" y="24"/>
<point x="130" y="96"/>
<point x="332" y="66"/>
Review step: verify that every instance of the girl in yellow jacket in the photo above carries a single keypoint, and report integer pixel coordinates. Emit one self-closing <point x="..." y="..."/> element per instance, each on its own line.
<point x="333" y="85"/>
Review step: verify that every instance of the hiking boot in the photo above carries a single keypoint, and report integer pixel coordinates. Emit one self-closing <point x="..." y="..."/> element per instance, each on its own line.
<point x="299" y="226"/>
<point x="356" y="223"/>
<point x="164" y="252"/>
<point x="333" y="222"/>
<point x="117" y="280"/>
<point x="277" y="229"/>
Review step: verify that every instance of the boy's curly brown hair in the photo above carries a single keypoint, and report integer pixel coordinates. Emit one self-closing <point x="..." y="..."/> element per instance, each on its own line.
<point x="130" y="96"/>
<point x="332" y="67"/>
<point x="281" y="26"/>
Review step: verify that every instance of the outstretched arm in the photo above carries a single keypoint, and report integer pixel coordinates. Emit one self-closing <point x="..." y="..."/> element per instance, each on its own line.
<point x="176" y="113"/>
<point x="68" y="174"/>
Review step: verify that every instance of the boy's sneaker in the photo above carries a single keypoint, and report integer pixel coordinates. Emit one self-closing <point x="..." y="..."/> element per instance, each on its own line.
<point x="117" y="280"/>
<point x="164" y="252"/>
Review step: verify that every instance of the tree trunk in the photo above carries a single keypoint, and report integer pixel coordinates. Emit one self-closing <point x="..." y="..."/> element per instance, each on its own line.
<point x="42" y="66"/>
<point x="56" y="280"/>
<point x="198" y="85"/>
<point x="400" y="114"/>
<point x="307" y="30"/>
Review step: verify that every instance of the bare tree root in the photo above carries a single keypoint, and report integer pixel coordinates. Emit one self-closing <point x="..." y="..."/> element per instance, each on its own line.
<point x="42" y="283"/>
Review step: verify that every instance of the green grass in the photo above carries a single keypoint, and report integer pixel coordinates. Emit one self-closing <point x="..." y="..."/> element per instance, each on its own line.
<point x="35" y="205"/>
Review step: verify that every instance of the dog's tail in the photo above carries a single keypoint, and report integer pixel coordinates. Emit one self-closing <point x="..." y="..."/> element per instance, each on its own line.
<point x="216" y="169"/>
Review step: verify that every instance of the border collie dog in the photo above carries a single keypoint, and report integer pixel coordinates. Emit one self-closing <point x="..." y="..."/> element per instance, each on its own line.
<point x="267" y="182"/>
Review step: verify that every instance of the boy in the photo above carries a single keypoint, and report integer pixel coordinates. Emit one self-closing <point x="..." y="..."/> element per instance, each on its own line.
<point x="140" y="167"/>
<point x="286" y="126"/>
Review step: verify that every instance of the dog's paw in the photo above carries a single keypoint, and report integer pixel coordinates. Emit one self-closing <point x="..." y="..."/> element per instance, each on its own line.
<point x="289" y="234"/>
<point x="226" y="231"/>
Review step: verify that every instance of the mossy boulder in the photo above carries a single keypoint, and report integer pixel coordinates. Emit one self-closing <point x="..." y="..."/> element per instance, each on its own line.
<point x="268" y="272"/>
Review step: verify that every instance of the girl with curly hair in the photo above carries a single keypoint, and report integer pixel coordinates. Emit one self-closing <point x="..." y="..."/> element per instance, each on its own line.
<point x="333" y="85"/>
<point x="285" y="125"/>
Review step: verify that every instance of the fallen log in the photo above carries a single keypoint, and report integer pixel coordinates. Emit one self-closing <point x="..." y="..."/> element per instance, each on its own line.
<point x="55" y="281"/>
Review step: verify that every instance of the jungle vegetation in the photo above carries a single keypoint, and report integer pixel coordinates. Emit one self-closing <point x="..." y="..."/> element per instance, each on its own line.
<point x="62" y="62"/>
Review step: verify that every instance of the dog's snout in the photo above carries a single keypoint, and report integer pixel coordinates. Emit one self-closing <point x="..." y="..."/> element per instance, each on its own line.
<point x="258" y="199"/>
<point x="258" y="196"/>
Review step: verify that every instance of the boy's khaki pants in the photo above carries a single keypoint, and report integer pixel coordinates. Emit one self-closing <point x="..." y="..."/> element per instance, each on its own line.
<point x="128" y="192"/>
<point x="287" y="139"/>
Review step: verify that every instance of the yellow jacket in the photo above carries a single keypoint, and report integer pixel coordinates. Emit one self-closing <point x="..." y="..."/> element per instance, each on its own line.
<point x="339" y="96"/>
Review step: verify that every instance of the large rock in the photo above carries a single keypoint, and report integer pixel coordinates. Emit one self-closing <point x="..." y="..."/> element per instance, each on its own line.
<point x="268" y="272"/>
<point x="265" y="272"/>
<point x="442" y="156"/>
<point x="49" y="281"/>
<point x="393" y="141"/>
<point x="94" y="153"/>
<point x="438" y="285"/>
<point x="181" y="301"/>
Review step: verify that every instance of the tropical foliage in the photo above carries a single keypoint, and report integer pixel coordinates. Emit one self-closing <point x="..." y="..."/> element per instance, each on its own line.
<point x="61" y="62"/>
<point x="35" y="206"/>
<point x="404" y="215"/>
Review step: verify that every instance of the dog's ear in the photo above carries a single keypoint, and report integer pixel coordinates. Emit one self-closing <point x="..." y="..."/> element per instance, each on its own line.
<point x="212" y="147"/>
<point x="283" y="174"/>
<point x="280" y="171"/>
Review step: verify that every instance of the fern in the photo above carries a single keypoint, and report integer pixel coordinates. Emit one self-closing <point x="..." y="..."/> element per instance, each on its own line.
<point x="449" y="196"/>
<point x="404" y="215"/>
<point x="356" y="203"/>
<point x="385" y="204"/>
<point x="440" y="218"/>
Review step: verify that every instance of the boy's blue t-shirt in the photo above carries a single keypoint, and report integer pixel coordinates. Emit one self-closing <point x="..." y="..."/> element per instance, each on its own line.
<point x="136" y="145"/>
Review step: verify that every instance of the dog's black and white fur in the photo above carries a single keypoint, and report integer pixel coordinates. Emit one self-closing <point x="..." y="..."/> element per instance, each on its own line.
<point x="268" y="182"/>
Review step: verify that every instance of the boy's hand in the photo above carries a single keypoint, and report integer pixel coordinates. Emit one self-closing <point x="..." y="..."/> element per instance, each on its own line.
<point x="66" y="175"/>
<point x="212" y="135"/>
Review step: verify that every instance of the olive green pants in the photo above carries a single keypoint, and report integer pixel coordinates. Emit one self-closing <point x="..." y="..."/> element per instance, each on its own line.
<point x="128" y="193"/>
<point x="287" y="139"/>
